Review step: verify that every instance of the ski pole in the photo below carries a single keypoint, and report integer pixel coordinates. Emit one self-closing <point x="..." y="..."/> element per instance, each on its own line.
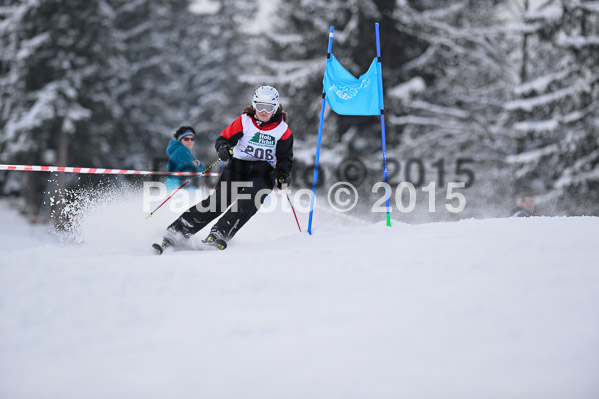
<point x="293" y="209"/>
<point x="183" y="185"/>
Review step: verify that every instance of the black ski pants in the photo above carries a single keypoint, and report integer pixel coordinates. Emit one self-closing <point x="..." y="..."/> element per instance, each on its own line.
<point x="241" y="189"/>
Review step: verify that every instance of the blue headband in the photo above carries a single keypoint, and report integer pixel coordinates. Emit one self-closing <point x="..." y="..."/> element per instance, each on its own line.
<point x="185" y="134"/>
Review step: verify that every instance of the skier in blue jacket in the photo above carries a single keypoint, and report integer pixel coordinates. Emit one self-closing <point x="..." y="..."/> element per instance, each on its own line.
<point x="180" y="157"/>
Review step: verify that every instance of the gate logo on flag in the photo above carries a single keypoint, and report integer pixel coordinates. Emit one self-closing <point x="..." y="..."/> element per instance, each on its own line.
<point x="348" y="95"/>
<point x="345" y="93"/>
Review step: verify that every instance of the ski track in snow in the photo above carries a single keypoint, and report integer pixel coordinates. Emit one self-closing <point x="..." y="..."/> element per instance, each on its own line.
<point x="497" y="308"/>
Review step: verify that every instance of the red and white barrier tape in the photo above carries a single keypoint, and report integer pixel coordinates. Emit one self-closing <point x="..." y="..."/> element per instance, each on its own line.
<point x="97" y="171"/>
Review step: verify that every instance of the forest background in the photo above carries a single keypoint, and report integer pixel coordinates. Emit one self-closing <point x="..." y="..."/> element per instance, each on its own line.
<point x="498" y="94"/>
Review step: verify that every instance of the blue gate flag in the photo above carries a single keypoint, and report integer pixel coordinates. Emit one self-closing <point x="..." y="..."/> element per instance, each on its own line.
<point x="347" y="95"/>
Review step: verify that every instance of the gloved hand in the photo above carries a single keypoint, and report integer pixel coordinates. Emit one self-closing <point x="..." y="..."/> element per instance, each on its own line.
<point x="225" y="152"/>
<point x="282" y="179"/>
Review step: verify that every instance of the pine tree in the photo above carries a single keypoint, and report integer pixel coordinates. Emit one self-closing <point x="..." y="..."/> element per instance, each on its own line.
<point x="183" y="69"/>
<point x="553" y="115"/>
<point x="156" y="84"/>
<point x="447" y="103"/>
<point x="56" y="80"/>
<point x="228" y="53"/>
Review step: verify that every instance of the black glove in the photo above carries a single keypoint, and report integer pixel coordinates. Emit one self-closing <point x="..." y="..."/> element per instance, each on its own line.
<point x="282" y="179"/>
<point x="225" y="152"/>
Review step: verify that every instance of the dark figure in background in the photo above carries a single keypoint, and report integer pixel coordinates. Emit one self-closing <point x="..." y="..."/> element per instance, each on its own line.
<point x="526" y="207"/>
<point x="258" y="147"/>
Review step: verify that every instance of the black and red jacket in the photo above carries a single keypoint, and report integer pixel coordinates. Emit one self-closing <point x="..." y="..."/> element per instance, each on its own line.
<point x="262" y="143"/>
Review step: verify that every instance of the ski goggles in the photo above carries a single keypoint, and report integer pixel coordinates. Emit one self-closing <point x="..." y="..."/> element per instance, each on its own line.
<point x="265" y="107"/>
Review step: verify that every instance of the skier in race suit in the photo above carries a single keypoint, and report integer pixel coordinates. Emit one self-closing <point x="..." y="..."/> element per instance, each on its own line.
<point x="258" y="147"/>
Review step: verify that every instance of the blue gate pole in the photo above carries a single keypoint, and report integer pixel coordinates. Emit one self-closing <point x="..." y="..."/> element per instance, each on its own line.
<point x="314" y="180"/>
<point x="382" y="108"/>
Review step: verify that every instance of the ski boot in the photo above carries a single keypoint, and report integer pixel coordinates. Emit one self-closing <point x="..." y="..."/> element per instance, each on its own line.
<point x="216" y="239"/>
<point x="159" y="248"/>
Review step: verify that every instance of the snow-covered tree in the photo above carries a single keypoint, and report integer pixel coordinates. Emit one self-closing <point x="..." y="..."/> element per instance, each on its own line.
<point x="227" y="46"/>
<point x="58" y="66"/>
<point x="554" y="115"/>
<point x="156" y="85"/>
<point x="446" y="100"/>
<point x="499" y="93"/>
<point x="182" y="69"/>
<point x="510" y="85"/>
<point x="106" y="83"/>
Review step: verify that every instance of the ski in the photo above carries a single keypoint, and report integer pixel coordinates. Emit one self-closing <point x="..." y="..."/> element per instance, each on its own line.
<point x="210" y="241"/>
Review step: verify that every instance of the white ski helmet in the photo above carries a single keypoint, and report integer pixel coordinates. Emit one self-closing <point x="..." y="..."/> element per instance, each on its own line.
<point x="266" y="95"/>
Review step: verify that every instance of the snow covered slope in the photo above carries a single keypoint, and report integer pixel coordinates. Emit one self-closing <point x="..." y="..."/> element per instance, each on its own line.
<point x="499" y="308"/>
